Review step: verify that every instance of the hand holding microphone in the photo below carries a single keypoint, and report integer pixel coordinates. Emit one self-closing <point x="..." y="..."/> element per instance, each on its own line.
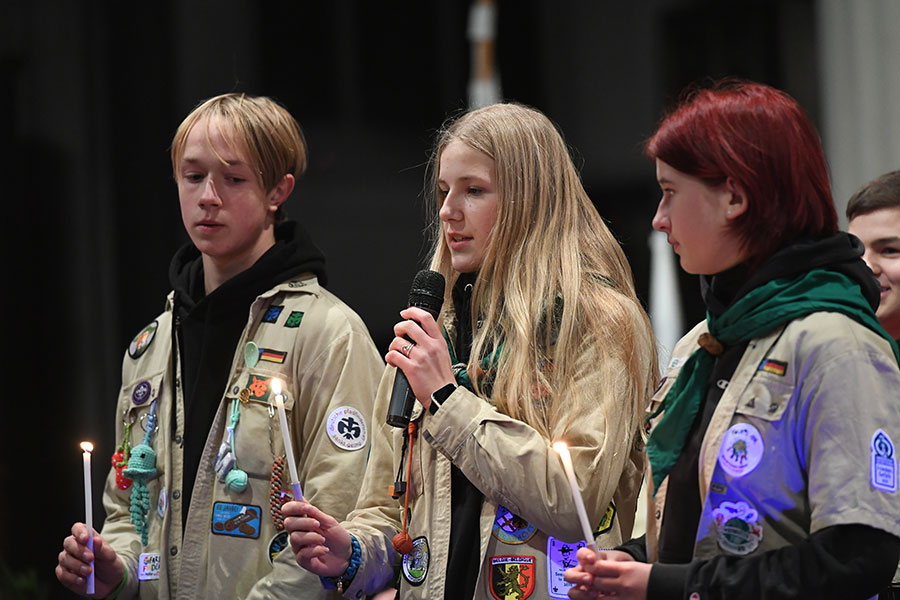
<point x="419" y="351"/>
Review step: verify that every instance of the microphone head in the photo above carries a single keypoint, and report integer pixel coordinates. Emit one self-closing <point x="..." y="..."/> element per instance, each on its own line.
<point x="427" y="291"/>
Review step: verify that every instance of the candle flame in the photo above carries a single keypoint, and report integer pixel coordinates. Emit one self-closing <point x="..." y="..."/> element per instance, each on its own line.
<point x="276" y="386"/>
<point x="560" y="447"/>
<point x="87" y="446"/>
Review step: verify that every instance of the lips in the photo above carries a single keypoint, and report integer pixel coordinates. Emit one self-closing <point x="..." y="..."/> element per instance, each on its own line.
<point x="457" y="240"/>
<point x="208" y="226"/>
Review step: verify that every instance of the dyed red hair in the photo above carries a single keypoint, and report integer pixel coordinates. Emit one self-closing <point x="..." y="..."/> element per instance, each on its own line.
<point x="764" y="141"/>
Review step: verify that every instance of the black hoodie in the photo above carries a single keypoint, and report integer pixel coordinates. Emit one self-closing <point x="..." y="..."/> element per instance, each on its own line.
<point x="208" y="327"/>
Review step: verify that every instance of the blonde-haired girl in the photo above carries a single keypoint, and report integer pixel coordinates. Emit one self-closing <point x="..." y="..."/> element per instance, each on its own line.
<point x="541" y="338"/>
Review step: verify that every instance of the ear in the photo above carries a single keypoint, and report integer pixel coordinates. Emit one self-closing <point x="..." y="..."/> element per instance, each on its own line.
<point x="280" y="192"/>
<point x="736" y="204"/>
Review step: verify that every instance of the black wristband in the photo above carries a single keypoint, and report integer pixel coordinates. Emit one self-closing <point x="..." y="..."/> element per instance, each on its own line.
<point x="439" y="396"/>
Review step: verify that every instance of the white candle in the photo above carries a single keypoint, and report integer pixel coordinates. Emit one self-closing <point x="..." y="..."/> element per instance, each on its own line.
<point x="563" y="451"/>
<point x="88" y="509"/>
<point x="286" y="436"/>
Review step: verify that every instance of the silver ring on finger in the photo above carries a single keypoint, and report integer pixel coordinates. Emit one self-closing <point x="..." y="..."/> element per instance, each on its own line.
<point x="406" y="349"/>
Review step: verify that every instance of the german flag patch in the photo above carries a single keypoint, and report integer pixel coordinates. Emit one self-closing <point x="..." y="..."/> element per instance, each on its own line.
<point x="776" y="367"/>
<point x="270" y="355"/>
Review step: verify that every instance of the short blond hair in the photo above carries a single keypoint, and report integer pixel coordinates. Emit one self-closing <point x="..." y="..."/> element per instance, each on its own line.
<point x="265" y="130"/>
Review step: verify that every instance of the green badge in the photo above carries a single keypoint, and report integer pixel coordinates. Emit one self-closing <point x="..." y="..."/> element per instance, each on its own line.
<point x="294" y="319"/>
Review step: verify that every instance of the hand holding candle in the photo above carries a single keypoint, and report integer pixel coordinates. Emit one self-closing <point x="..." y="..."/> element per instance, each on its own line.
<point x="286" y="436"/>
<point x="563" y="451"/>
<point x="88" y="447"/>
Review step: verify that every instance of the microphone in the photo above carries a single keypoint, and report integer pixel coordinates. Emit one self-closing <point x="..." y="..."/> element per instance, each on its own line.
<point x="427" y="293"/>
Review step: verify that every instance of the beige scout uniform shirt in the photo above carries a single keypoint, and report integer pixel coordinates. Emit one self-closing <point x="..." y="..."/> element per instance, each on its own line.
<point x="798" y="440"/>
<point x="514" y="467"/>
<point x="330" y="364"/>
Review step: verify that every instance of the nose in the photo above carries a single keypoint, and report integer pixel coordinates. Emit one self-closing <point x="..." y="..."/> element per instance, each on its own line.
<point x="210" y="197"/>
<point x="449" y="208"/>
<point x="870" y="259"/>
<point x="661" y="218"/>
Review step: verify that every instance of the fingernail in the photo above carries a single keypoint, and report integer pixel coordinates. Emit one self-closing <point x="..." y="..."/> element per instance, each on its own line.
<point x="85" y="570"/>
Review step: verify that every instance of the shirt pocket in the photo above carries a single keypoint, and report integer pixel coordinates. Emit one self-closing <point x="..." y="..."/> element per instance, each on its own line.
<point x="765" y="397"/>
<point x="257" y="436"/>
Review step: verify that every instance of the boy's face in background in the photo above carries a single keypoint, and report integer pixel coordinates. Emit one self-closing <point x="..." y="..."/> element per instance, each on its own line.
<point x="879" y="231"/>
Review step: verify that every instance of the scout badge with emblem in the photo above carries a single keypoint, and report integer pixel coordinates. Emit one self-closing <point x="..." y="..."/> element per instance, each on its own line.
<point x="512" y="577"/>
<point x="141" y="468"/>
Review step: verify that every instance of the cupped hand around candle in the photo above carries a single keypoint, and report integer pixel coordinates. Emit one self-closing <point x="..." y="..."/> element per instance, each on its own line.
<point x="319" y="543"/>
<point x="608" y="573"/>
<point x="75" y="563"/>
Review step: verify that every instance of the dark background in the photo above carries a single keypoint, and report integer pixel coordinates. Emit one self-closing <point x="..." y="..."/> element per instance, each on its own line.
<point x="93" y="92"/>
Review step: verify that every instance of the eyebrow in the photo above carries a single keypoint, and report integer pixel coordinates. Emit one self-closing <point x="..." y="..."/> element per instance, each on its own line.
<point x="663" y="180"/>
<point x="893" y="239"/>
<point x="231" y="163"/>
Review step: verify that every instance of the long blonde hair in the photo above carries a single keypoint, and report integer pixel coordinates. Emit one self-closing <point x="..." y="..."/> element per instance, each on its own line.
<point x="553" y="279"/>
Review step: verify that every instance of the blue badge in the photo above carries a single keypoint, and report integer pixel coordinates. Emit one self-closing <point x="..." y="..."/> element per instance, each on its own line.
<point x="884" y="463"/>
<point x="141" y="393"/>
<point x="272" y="314"/>
<point x="560" y="557"/>
<point x="415" y="564"/>
<point x="238" y="520"/>
<point x="278" y="543"/>
<point x="510" y="528"/>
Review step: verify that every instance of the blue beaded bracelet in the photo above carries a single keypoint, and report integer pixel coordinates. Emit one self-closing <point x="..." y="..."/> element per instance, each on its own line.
<point x="340" y="583"/>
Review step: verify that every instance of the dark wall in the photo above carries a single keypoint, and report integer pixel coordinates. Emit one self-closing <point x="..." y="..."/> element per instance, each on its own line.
<point x="93" y="94"/>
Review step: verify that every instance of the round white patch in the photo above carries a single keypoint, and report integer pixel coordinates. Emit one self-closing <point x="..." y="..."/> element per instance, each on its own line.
<point x="742" y="449"/>
<point x="347" y="428"/>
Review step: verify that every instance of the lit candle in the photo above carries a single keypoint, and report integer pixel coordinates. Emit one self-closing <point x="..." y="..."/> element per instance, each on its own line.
<point x="563" y="451"/>
<point x="88" y="506"/>
<point x="286" y="436"/>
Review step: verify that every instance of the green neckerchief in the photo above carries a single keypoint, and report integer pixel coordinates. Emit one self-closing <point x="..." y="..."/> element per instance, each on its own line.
<point x="459" y="369"/>
<point x="753" y="315"/>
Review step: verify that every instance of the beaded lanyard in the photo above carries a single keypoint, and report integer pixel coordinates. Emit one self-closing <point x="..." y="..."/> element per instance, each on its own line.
<point x="141" y="468"/>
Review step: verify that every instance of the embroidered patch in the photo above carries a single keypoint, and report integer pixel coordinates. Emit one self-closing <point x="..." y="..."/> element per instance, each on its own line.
<point x="884" y="464"/>
<point x="347" y="428"/>
<point x="606" y="522"/>
<point x="294" y="319"/>
<point x="141" y="393"/>
<point x="510" y="528"/>
<point x="148" y="566"/>
<point x="272" y="314"/>
<point x="162" y="502"/>
<point x="238" y="520"/>
<point x="560" y="556"/>
<point x="258" y="388"/>
<point x="741" y="450"/>
<point x="415" y="564"/>
<point x="512" y="577"/>
<point x="278" y="543"/>
<point x="737" y="528"/>
<point x="776" y="367"/>
<point x="142" y="341"/>
<point x="251" y="354"/>
<point x="272" y="355"/>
